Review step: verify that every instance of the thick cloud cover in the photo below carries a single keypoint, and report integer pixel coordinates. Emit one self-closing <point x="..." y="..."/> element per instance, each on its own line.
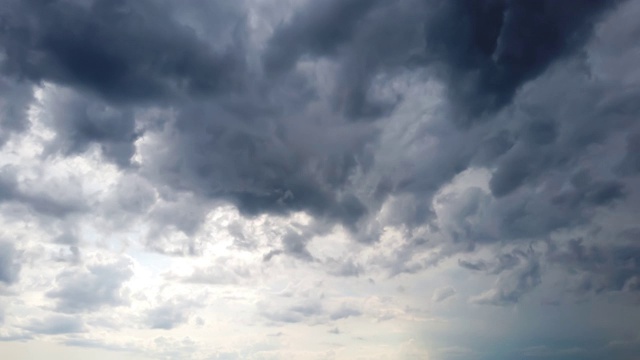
<point x="359" y="143"/>
<point x="494" y="47"/>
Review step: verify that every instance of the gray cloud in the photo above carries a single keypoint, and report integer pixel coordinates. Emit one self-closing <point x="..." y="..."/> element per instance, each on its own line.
<point x="13" y="109"/>
<point x="10" y="263"/>
<point x="79" y="122"/>
<point x="214" y="121"/>
<point x="295" y="244"/>
<point x="91" y="287"/>
<point x="520" y="272"/>
<point x="56" y="324"/>
<point x="489" y="49"/>
<point x="443" y="293"/>
<point x="169" y="315"/>
<point x="604" y="267"/>
<point x="245" y="144"/>
<point x="499" y="133"/>
<point x="319" y="29"/>
<point x="476" y="266"/>
<point x="630" y="164"/>
<point x="147" y="56"/>
<point x="366" y="38"/>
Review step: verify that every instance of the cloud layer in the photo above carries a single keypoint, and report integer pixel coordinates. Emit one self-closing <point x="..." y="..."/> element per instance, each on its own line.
<point x="323" y="174"/>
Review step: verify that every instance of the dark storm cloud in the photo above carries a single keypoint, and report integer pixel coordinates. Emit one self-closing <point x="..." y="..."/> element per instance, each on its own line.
<point x="488" y="49"/>
<point x="366" y="38"/>
<point x="630" y="164"/>
<point x="134" y="54"/>
<point x="269" y="162"/>
<point x="557" y="165"/>
<point x="319" y="29"/>
<point x="603" y="267"/>
<point x="527" y="215"/>
<point x="91" y="288"/>
<point x="270" y="140"/>
<point x="304" y="311"/>
<point x="344" y="267"/>
<point x="15" y="99"/>
<point x="79" y="122"/>
<point x="475" y="266"/>
<point x="126" y="52"/>
<point x="344" y="311"/>
<point x="295" y="244"/>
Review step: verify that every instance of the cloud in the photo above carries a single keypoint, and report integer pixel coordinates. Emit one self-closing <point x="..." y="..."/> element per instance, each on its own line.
<point x="319" y="29"/>
<point x="80" y="121"/>
<point x="295" y="244"/>
<point x="148" y="56"/>
<point x="170" y="314"/>
<point x="50" y="198"/>
<point x="91" y="287"/>
<point x="14" y="107"/>
<point x="345" y="311"/>
<point x="443" y="293"/>
<point x="481" y="46"/>
<point x="10" y="263"/>
<point x="365" y="146"/>
<point x="520" y="274"/>
<point x="344" y="267"/>
<point x="304" y="311"/>
<point x="476" y="266"/>
<point x="630" y="164"/>
<point x="55" y="325"/>
<point x="603" y="267"/>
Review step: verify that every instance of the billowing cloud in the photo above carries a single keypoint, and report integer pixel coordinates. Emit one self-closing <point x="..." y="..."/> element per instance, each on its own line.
<point x="91" y="287"/>
<point x="365" y="176"/>
<point x="494" y="47"/>
<point x="58" y="324"/>
<point x="9" y="263"/>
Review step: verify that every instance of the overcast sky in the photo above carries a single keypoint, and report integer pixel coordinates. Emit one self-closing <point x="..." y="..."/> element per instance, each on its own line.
<point x="320" y="179"/>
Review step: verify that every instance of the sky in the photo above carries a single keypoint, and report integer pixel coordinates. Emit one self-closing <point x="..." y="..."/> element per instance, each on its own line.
<point x="320" y="179"/>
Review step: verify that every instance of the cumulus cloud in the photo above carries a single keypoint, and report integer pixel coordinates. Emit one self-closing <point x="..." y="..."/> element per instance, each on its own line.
<point x="295" y="313"/>
<point x="482" y="53"/>
<point x="170" y="314"/>
<point x="340" y="146"/>
<point x="57" y="324"/>
<point x="520" y="274"/>
<point x="9" y="263"/>
<point x="91" y="287"/>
